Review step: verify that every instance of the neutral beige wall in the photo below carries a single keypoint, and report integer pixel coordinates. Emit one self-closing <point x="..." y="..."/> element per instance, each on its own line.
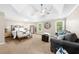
<point x="72" y="23"/>
<point x="51" y="31"/>
<point x="1" y="28"/>
<point x="11" y="22"/>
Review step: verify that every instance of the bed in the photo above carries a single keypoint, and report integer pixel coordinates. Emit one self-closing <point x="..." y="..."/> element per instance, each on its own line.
<point x="20" y="32"/>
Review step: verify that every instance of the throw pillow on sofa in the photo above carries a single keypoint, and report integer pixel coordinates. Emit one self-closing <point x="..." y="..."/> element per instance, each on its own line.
<point x="60" y="37"/>
<point x="71" y="37"/>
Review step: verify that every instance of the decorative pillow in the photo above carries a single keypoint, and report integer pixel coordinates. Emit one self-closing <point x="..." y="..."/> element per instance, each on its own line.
<point x="61" y="33"/>
<point x="21" y="29"/>
<point x="60" y="37"/>
<point x="16" y="29"/>
<point x="71" y="37"/>
<point x="74" y="37"/>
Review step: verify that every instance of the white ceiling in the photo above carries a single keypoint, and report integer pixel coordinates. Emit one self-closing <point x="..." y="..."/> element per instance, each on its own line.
<point x="32" y="12"/>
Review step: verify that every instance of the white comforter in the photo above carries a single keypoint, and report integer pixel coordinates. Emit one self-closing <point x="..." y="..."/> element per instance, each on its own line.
<point x="23" y="34"/>
<point x="20" y="33"/>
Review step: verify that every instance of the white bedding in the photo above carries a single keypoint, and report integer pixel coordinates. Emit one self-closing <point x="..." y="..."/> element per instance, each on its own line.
<point x="23" y="34"/>
<point x="14" y="34"/>
<point x="20" y="32"/>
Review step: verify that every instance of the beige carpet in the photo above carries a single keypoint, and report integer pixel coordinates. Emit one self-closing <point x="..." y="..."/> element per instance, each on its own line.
<point x="26" y="46"/>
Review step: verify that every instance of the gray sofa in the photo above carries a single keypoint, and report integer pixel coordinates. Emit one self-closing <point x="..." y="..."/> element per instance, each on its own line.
<point x="70" y="43"/>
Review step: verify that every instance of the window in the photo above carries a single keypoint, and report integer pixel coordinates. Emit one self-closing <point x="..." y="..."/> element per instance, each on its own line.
<point x="59" y="25"/>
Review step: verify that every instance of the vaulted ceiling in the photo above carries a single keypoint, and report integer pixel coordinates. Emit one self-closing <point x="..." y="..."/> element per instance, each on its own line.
<point x="36" y="12"/>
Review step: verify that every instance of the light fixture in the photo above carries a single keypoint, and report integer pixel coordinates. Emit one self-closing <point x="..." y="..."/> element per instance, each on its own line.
<point x="44" y="10"/>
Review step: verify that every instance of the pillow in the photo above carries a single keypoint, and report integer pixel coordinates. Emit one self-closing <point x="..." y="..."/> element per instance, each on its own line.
<point x="60" y="37"/>
<point x="16" y="29"/>
<point x="71" y="37"/>
<point x="61" y="33"/>
<point x="21" y="29"/>
<point x="74" y="37"/>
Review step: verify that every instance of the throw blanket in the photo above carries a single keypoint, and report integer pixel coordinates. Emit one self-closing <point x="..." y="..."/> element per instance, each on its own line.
<point x="61" y="51"/>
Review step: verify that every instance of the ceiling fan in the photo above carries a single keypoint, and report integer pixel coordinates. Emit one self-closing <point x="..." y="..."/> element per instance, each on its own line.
<point x="44" y="11"/>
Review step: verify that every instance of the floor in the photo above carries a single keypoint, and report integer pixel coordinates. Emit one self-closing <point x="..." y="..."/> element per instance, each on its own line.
<point x="33" y="45"/>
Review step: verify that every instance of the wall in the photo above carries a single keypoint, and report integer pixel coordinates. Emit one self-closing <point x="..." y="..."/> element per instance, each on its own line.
<point x="12" y="22"/>
<point x="1" y="28"/>
<point x="72" y="23"/>
<point x="27" y="24"/>
<point x="51" y="30"/>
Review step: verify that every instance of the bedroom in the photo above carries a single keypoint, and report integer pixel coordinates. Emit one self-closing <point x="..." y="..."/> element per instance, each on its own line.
<point x="24" y="24"/>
